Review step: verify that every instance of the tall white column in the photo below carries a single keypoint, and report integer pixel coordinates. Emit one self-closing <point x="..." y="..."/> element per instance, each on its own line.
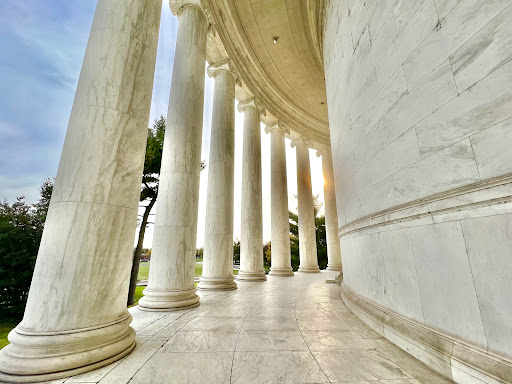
<point x="281" y="263"/>
<point x="307" y="232"/>
<point x="76" y="319"/>
<point x="171" y="275"/>
<point x="218" y="241"/>
<point x="251" y="243"/>
<point x="331" y="216"/>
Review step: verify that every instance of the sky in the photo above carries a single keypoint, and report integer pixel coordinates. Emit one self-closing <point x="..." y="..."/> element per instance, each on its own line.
<point x="43" y="44"/>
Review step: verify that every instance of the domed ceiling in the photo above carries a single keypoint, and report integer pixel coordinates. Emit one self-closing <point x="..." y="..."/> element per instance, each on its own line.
<point x="276" y="46"/>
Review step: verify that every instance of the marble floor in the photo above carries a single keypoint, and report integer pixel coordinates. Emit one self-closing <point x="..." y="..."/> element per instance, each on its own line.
<point x="285" y="330"/>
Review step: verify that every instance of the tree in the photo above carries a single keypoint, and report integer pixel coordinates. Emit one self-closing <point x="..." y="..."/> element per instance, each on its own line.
<point x="21" y="228"/>
<point x="236" y="251"/>
<point x="267" y="254"/>
<point x="149" y="192"/>
<point x="321" y="242"/>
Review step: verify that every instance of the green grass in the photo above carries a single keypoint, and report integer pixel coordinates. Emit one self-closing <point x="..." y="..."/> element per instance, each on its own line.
<point x="143" y="271"/>
<point x="5" y="328"/>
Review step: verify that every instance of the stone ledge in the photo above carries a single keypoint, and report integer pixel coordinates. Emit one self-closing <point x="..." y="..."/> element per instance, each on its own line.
<point x="486" y="198"/>
<point x="456" y="359"/>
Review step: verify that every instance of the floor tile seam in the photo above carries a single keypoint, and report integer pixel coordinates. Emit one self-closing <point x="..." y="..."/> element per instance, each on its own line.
<point x="236" y="344"/>
<point x="311" y="353"/>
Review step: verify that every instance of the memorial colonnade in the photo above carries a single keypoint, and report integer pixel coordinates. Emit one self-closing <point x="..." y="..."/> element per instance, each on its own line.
<point x="88" y="236"/>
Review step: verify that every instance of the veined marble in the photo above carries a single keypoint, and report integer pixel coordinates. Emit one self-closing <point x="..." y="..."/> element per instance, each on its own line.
<point x="88" y="235"/>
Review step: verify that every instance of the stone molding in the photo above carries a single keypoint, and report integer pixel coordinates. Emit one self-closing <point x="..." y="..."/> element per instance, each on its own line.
<point x="251" y="103"/>
<point x="324" y="151"/>
<point x="225" y="65"/>
<point x="485" y="198"/>
<point x="277" y="126"/>
<point x="445" y="354"/>
<point x="301" y="140"/>
<point x="177" y="7"/>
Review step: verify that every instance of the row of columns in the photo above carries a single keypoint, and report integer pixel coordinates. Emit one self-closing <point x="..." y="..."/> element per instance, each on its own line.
<point x="76" y="318"/>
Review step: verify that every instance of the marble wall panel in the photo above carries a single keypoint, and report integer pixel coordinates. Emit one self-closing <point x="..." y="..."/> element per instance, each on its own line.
<point x="489" y="246"/>
<point x="402" y="293"/>
<point x="492" y="150"/>
<point x="444" y="7"/>
<point x="433" y="92"/>
<point x="467" y="18"/>
<point x="412" y="34"/>
<point x="396" y="156"/>
<point x="451" y="168"/>
<point x="387" y="98"/>
<point x="446" y="282"/>
<point x="483" y="105"/>
<point x="404" y="11"/>
<point x="485" y="52"/>
<point x="377" y="198"/>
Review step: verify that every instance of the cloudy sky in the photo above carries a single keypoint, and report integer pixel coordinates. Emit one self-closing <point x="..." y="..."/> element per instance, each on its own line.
<point x="43" y="44"/>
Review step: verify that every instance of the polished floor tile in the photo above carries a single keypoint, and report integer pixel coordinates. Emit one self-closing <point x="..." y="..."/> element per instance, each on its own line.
<point x="276" y="367"/>
<point x="271" y="341"/>
<point x="186" y="368"/>
<point x="284" y="330"/>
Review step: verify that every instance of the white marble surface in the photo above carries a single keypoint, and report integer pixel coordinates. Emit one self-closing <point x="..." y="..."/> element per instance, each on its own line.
<point x="307" y="234"/>
<point x="281" y="263"/>
<point x="229" y="350"/>
<point x="331" y="218"/>
<point x="251" y="241"/>
<point x="218" y="240"/>
<point x="92" y="217"/>
<point x="171" y="276"/>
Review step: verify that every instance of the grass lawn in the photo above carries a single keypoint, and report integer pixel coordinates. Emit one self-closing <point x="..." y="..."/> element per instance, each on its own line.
<point x="143" y="271"/>
<point x="5" y="328"/>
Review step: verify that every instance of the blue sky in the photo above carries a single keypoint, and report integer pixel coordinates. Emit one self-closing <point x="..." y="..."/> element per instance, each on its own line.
<point x="42" y="46"/>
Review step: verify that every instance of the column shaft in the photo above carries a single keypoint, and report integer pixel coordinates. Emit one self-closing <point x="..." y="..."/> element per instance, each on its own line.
<point x="171" y="276"/>
<point x="307" y="232"/>
<point x="331" y="218"/>
<point x="251" y="244"/>
<point x="280" y="237"/>
<point x="218" y="247"/>
<point x="76" y="318"/>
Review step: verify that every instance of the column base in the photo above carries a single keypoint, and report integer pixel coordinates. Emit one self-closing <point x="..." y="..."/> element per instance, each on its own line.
<point x="312" y="269"/>
<point x="43" y="356"/>
<point x="217" y="283"/>
<point x="251" y="276"/>
<point x="333" y="267"/>
<point x="168" y="300"/>
<point x="281" y="271"/>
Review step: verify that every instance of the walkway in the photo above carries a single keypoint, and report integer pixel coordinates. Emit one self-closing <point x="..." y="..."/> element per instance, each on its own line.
<point x="285" y="330"/>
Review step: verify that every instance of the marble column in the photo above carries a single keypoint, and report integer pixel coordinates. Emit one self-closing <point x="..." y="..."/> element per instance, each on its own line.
<point x="171" y="276"/>
<point x="331" y="216"/>
<point x="281" y="263"/>
<point x="251" y="243"/>
<point x="76" y="319"/>
<point x="307" y="232"/>
<point x="218" y="240"/>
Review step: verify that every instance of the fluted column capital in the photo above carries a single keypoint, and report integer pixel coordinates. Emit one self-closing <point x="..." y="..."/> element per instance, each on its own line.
<point x="177" y="7"/>
<point x="301" y="140"/>
<point x="224" y="66"/>
<point x="251" y="103"/>
<point x="324" y="151"/>
<point x="277" y="126"/>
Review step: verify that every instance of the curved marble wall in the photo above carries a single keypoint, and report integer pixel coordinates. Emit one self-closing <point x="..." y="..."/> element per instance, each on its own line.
<point x="420" y="112"/>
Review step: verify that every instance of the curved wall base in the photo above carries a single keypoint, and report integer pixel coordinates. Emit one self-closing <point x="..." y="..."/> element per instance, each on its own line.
<point x="36" y="357"/>
<point x="451" y="357"/>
